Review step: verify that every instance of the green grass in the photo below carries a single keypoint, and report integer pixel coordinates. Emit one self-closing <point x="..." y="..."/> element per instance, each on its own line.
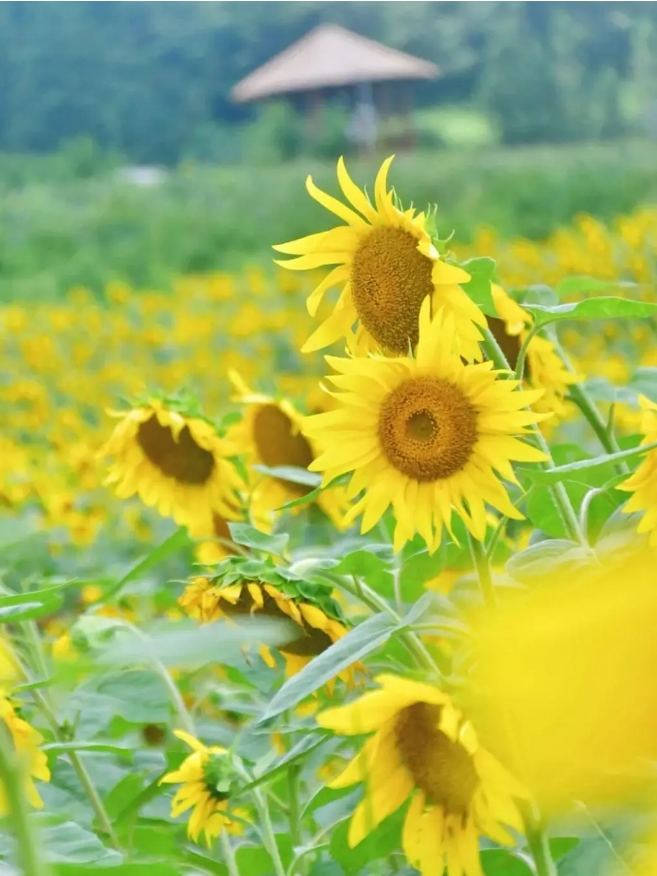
<point x="54" y="235"/>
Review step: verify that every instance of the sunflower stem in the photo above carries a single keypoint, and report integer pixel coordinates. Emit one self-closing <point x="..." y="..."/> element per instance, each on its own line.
<point x="28" y="846"/>
<point x="482" y="566"/>
<point x="293" y="803"/>
<point x="267" y="832"/>
<point x="562" y="502"/>
<point x="44" y="702"/>
<point x="376" y="603"/>
<point x="228" y="854"/>
<point x="581" y="397"/>
<point x="177" y="701"/>
<point x="537" y="840"/>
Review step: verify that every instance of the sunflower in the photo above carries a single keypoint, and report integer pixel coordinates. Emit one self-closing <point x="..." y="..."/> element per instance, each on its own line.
<point x="206" y="777"/>
<point x="544" y="368"/>
<point x="26" y="743"/>
<point x="387" y="266"/>
<point x="319" y="620"/>
<point x="425" y="436"/>
<point x="423" y="750"/>
<point x="643" y="482"/>
<point x="269" y="434"/>
<point x="173" y="461"/>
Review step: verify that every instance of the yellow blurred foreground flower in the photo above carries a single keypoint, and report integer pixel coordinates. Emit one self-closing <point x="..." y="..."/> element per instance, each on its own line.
<point x="643" y="483"/>
<point x="172" y="461"/>
<point x="423" y="750"/>
<point x="26" y="744"/>
<point x="207" y="776"/>
<point x="425" y="435"/>
<point x="566" y="682"/>
<point x="387" y="266"/>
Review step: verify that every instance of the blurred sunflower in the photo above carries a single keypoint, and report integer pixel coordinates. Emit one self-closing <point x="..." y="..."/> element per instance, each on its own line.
<point x="26" y="744"/>
<point x="269" y="434"/>
<point x="423" y="749"/>
<point x="544" y="368"/>
<point x="425" y="435"/>
<point x="173" y="461"/>
<point x="207" y="776"/>
<point x="319" y="619"/>
<point x="643" y="482"/>
<point x="387" y="266"/>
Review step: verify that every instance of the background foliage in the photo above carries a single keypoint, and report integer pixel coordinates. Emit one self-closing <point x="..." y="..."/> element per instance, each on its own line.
<point x="153" y="79"/>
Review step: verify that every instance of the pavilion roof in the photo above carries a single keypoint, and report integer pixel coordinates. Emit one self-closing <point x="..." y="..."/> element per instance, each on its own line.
<point x="330" y="56"/>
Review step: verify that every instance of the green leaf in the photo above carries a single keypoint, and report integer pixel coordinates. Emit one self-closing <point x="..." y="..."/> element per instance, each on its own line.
<point x="548" y="556"/>
<point x="123" y="793"/>
<point x="562" y="845"/>
<point x="370" y="566"/>
<point x="356" y="645"/>
<point x="380" y="843"/>
<point x="602" y="390"/>
<point x="184" y="644"/>
<point x="169" y="546"/>
<point x="326" y="868"/>
<point x="593" y="308"/>
<point x="298" y="752"/>
<point x="416" y="571"/>
<point x="141" y="697"/>
<point x="133" y="869"/>
<point x="242" y="533"/>
<point x="573" y="469"/>
<point x="482" y="272"/>
<point x="150" y="792"/>
<point x="291" y="473"/>
<point x="104" y="747"/>
<point x="65" y="842"/>
<point x="501" y="862"/>
<point x="28" y="610"/>
<point x="644" y="382"/>
<point x="587" y="286"/>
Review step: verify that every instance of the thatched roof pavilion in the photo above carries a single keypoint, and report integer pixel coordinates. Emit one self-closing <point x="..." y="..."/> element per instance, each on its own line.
<point x="331" y="57"/>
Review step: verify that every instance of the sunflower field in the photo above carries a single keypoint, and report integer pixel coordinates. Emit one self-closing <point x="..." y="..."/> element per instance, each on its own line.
<point x="339" y="568"/>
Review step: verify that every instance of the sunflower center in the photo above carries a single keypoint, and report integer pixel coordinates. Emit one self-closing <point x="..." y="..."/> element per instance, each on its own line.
<point x="441" y="768"/>
<point x="278" y="444"/>
<point x="427" y="429"/>
<point x="183" y="460"/>
<point x="390" y="279"/>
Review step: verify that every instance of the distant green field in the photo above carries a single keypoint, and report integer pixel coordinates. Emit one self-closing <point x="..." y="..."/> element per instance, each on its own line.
<point x="54" y="235"/>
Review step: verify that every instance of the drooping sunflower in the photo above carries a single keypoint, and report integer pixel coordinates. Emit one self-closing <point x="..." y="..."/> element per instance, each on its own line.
<point x="387" y="266"/>
<point x="269" y="434"/>
<point x="543" y="369"/>
<point x="26" y="743"/>
<point x="173" y="461"/>
<point x="643" y="482"/>
<point x="425" y="435"/>
<point x="318" y="617"/>
<point x="206" y="777"/>
<point x="423" y="750"/>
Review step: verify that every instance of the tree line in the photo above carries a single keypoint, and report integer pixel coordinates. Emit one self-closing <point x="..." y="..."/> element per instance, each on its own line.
<point x="151" y="80"/>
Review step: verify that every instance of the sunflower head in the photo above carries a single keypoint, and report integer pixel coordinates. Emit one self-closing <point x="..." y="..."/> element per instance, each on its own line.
<point x="208" y="777"/>
<point x="387" y="267"/>
<point x="173" y="459"/>
<point x="544" y="370"/>
<point x="425" y="435"/>
<point x="237" y="589"/>
<point x="269" y="434"/>
<point x="423" y="750"/>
